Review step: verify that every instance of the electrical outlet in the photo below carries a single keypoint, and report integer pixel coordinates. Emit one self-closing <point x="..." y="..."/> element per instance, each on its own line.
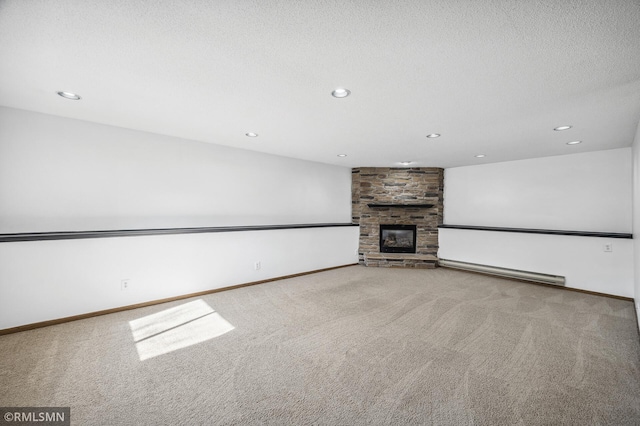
<point x="608" y="247"/>
<point x="257" y="265"/>
<point x="124" y="284"/>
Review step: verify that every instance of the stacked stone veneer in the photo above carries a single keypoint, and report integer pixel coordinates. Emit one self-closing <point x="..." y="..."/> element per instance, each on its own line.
<point x="397" y="186"/>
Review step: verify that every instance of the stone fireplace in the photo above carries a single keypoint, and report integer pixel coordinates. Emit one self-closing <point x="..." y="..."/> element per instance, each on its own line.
<point x="398" y="210"/>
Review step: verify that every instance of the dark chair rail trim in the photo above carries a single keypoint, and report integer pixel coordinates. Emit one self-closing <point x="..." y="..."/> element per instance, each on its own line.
<point x="541" y="231"/>
<point x="73" y="235"/>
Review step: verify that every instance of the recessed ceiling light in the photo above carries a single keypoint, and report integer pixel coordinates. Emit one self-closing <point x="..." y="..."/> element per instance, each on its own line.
<point x="574" y="142"/>
<point x="252" y="135"/>
<point x="480" y="156"/>
<point x="69" y="95"/>
<point x="342" y="155"/>
<point x="434" y="135"/>
<point x="560" y="128"/>
<point x="406" y="163"/>
<point x="340" y="93"/>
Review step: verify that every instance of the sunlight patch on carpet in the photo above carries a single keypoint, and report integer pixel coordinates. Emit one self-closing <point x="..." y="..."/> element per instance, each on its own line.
<point x="177" y="328"/>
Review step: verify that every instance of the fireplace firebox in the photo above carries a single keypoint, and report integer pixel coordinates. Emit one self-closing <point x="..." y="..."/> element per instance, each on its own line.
<point x="397" y="238"/>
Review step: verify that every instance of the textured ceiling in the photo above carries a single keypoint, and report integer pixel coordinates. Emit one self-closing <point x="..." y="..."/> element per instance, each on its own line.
<point x="493" y="77"/>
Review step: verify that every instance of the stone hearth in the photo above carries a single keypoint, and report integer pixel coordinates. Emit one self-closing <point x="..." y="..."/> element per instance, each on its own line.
<point x="402" y="196"/>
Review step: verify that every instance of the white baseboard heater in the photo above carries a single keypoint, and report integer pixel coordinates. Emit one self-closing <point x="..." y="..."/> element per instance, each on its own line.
<point x="504" y="272"/>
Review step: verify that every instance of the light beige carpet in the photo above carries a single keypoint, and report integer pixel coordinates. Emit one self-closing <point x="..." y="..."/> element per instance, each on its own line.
<point x="351" y="346"/>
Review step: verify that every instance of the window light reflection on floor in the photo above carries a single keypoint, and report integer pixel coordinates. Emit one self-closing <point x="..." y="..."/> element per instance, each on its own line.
<point x="176" y="328"/>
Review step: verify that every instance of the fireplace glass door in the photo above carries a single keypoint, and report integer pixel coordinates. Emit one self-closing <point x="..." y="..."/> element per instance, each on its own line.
<point x="397" y="238"/>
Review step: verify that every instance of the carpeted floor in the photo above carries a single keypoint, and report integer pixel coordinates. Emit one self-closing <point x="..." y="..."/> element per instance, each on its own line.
<point x="351" y="346"/>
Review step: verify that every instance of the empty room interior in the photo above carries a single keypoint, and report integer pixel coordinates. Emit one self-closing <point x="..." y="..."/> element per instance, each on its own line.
<point x="320" y="212"/>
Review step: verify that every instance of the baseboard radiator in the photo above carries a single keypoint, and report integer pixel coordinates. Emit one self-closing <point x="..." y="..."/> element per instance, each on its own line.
<point x="504" y="272"/>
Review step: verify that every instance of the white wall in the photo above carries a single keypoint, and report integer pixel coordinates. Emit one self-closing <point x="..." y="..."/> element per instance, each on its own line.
<point x="44" y="280"/>
<point x="58" y="174"/>
<point x="636" y="220"/>
<point x="580" y="192"/>
<point x="580" y="260"/>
